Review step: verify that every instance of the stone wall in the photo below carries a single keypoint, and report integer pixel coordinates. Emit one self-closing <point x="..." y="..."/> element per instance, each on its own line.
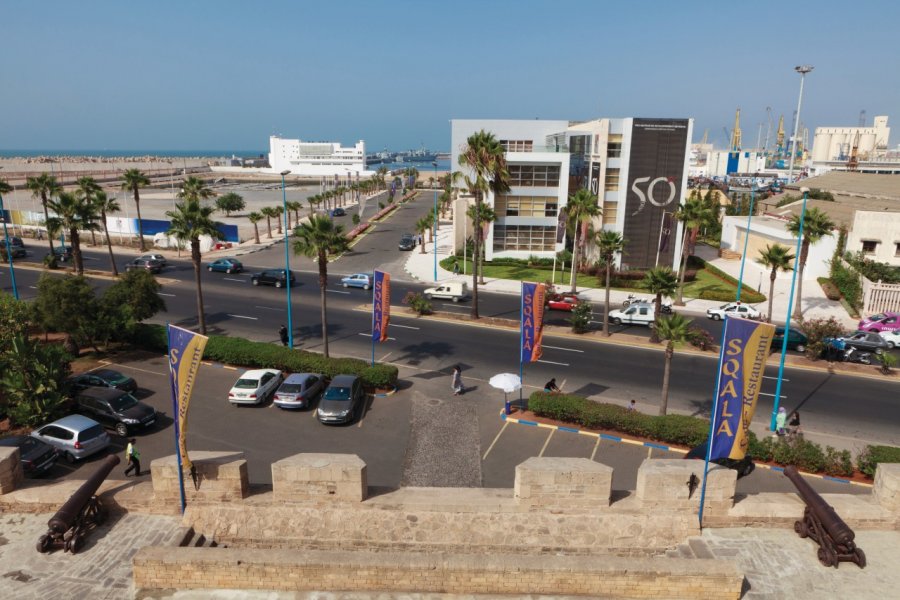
<point x="11" y="474"/>
<point x="220" y="477"/>
<point x="563" y="482"/>
<point x="305" y="477"/>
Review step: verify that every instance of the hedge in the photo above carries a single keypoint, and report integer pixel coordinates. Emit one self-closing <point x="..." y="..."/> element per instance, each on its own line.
<point x="239" y="351"/>
<point x="872" y="455"/>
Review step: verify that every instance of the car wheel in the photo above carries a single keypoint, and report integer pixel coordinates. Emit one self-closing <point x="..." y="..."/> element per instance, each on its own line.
<point x="879" y="351"/>
<point x="278" y="284"/>
<point x="70" y="458"/>
<point x="345" y="285"/>
<point x="716" y="317"/>
<point x="366" y="287"/>
<point x="209" y="269"/>
<point x="121" y="429"/>
<point x="875" y="330"/>
<point x="428" y="296"/>
<point x="801" y="348"/>
<point x="228" y="271"/>
<point x="617" y="321"/>
<point x="255" y="281"/>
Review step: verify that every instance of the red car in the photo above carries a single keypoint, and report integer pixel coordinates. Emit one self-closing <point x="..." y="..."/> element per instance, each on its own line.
<point x="563" y="301"/>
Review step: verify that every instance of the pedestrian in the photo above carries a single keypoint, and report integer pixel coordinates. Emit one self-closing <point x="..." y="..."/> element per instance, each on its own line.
<point x="794" y="423"/>
<point x="551" y="386"/>
<point x="40" y="234"/>
<point x="456" y="381"/>
<point x="456" y="268"/>
<point x="632" y="407"/>
<point x="283" y="334"/>
<point x="133" y="457"/>
<point x="779" y="421"/>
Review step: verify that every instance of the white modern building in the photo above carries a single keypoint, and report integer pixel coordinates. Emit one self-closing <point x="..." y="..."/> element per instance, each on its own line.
<point x="316" y="158"/>
<point x="637" y="168"/>
<point x="836" y="143"/>
<point x="722" y="163"/>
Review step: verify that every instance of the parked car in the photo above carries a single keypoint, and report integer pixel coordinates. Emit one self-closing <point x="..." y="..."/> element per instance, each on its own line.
<point x="272" y="277"/>
<point x="338" y="212"/>
<point x="157" y="257"/>
<point x="342" y="400"/>
<point x="407" y="242"/>
<point x="452" y="290"/>
<point x="62" y="253"/>
<point x="886" y="321"/>
<point x="115" y="409"/>
<point x="254" y="386"/>
<point x="147" y="264"/>
<point x="732" y="309"/>
<point x="16" y="242"/>
<point x="744" y="467"/>
<point x="891" y="337"/>
<point x="299" y="390"/>
<point x="868" y="341"/>
<point x="14" y="251"/>
<point x="797" y="340"/>
<point x="103" y="378"/>
<point x="37" y="457"/>
<point x="635" y="314"/>
<point x="225" y="265"/>
<point x="358" y="280"/>
<point x="565" y="301"/>
<point x="76" y="437"/>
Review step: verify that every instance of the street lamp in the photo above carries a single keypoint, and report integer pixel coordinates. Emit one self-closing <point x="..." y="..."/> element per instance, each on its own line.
<point x="434" y="222"/>
<point x="9" y="256"/>
<point x="287" y="265"/>
<point x="803" y="70"/>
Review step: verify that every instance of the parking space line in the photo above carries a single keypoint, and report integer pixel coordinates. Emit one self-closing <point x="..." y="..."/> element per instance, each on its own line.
<point x="162" y="294"/>
<point x="269" y="308"/>
<point x="546" y="443"/>
<point x="499" y="433"/>
<point x="112" y="364"/>
<point x="452" y="305"/>
<point x="404" y="326"/>
<point x="384" y="358"/>
<point x="774" y="378"/>
<point x="596" y="447"/>
<point x="550" y="362"/>
<point x="243" y="317"/>
<point x="558" y="348"/>
<point x="233" y="279"/>
<point x="337" y="292"/>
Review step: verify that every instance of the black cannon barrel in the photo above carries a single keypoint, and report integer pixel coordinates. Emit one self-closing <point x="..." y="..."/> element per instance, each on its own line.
<point x="66" y="515"/>
<point x="839" y="531"/>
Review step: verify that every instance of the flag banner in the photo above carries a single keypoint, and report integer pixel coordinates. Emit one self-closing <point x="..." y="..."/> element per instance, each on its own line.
<point x="185" y="352"/>
<point x="381" y="306"/>
<point x="532" y="326"/>
<point x="666" y="231"/>
<point x="742" y="364"/>
<point x="561" y="223"/>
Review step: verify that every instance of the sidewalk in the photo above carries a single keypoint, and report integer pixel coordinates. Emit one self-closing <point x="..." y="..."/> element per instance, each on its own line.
<point x="815" y="303"/>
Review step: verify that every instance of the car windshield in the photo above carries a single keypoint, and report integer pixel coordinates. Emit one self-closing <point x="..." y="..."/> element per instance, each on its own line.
<point x="290" y="388"/>
<point x="247" y="384"/>
<point x="878" y="318"/>
<point x="337" y="393"/>
<point x="123" y="402"/>
<point x="111" y="376"/>
<point x="28" y="443"/>
<point x="725" y="306"/>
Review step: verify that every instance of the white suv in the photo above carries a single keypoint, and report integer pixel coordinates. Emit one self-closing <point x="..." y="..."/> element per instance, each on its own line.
<point x="732" y="309"/>
<point x="636" y="314"/>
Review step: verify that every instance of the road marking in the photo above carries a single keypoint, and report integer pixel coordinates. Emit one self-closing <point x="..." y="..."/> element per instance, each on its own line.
<point x="384" y="358"/>
<point x="499" y="433"/>
<point x="550" y="362"/>
<point x="596" y="447"/>
<point x="547" y="442"/>
<point x="243" y="317"/>
<point x="133" y="368"/>
<point x="562" y="385"/>
<point x="368" y="335"/>
<point x="268" y="308"/>
<point x="566" y="349"/>
<point x="88" y="258"/>
<point x="772" y="395"/>
<point x="453" y="305"/>
<point x="403" y="326"/>
<point x="337" y="292"/>
<point x="233" y="279"/>
<point x="774" y="378"/>
<point x="162" y="294"/>
<point x="34" y="287"/>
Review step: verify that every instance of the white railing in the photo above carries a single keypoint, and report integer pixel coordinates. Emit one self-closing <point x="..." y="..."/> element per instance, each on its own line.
<point x="879" y="297"/>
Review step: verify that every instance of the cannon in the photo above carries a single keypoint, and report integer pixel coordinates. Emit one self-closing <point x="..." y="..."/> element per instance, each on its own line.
<point x="81" y="513"/>
<point x="822" y="524"/>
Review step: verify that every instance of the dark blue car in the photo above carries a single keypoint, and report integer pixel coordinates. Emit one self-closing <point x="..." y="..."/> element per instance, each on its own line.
<point x="225" y="265"/>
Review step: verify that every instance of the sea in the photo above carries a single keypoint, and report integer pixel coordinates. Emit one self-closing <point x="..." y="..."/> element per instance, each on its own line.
<point x="118" y="153"/>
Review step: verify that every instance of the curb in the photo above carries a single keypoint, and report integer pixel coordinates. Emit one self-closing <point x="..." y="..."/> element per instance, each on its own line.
<point x="386" y="394"/>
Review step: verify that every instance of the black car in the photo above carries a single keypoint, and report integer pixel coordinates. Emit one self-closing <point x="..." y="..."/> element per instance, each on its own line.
<point x="15" y="251"/>
<point x="36" y="456"/>
<point x="407" y="242"/>
<point x="797" y="340"/>
<point x="103" y="378"/>
<point x="16" y="242"/>
<point x="743" y="467"/>
<point x="147" y="264"/>
<point x="62" y="253"/>
<point x="338" y="212"/>
<point x="867" y="341"/>
<point x="342" y="401"/>
<point x="271" y="277"/>
<point x="115" y="409"/>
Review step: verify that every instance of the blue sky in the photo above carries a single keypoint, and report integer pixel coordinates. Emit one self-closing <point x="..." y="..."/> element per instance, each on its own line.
<point x="226" y="75"/>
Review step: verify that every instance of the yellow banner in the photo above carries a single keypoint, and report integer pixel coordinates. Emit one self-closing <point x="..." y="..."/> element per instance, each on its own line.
<point x="185" y="353"/>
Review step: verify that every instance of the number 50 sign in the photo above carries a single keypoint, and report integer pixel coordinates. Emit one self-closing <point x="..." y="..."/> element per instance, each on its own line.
<point x="649" y="195"/>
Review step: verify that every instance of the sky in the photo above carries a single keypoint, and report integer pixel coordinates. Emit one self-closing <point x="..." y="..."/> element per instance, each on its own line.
<point x="226" y="75"/>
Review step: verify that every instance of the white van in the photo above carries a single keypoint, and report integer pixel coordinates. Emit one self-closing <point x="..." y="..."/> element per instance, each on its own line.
<point x="452" y="290"/>
<point x="636" y="314"/>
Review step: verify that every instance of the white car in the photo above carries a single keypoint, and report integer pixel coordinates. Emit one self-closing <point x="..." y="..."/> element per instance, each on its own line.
<point x="255" y="386"/>
<point x="891" y="337"/>
<point x="635" y="314"/>
<point x="157" y="257"/>
<point x="452" y="290"/>
<point x="732" y="309"/>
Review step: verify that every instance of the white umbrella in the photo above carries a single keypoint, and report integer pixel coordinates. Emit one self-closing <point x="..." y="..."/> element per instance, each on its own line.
<point x="508" y="383"/>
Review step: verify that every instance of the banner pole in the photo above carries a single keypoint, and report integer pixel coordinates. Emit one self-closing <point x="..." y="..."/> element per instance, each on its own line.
<point x="712" y="423"/>
<point x="175" y="413"/>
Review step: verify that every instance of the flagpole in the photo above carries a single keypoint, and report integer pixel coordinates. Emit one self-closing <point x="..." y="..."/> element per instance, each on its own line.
<point x="175" y="413"/>
<point x="746" y="241"/>
<point x="521" y="341"/>
<point x="373" y="323"/>
<point x="659" y="242"/>
<point x="712" y="423"/>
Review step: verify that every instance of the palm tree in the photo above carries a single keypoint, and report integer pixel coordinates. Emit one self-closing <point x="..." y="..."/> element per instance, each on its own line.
<point x="775" y="257"/>
<point x="693" y="214"/>
<point x="232" y="201"/>
<point x="277" y="211"/>
<point x="73" y="214"/>
<point x="661" y="281"/>
<point x="189" y="221"/>
<point x="318" y="239"/>
<point x="380" y="176"/>
<point x="194" y="188"/>
<point x="816" y="225"/>
<point x="485" y="156"/>
<point x="269" y="213"/>
<point x="421" y="226"/>
<point x="45" y="187"/>
<point x="675" y="329"/>
<point x="294" y="207"/>
<point x="134" y="179"/>
<point x="255" y="218"/>
<point x="486" y="216"/>
<point x="87" y="189"/>
<point x="610" y="243"/>
<point x="581" y="209"/>
<point x="106" y="205"/>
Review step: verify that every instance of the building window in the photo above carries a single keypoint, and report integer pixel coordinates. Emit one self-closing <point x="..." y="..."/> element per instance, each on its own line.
<point x="612" y="180"/>
<point x="869" y="246"/>
<point x="897" y="249"/>
<point x="517" y="145"/>
<point x="614" y="146"/>
<point x="525" y="206"/>
<point x="534" y="175"/>
<point x="526" y="238"/>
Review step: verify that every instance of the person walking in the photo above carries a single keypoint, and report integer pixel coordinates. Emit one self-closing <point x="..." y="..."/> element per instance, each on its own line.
<point x="456" y="381"/>
<point x="780" y="419"/>
<point x="794" y="423"/>
<point x="551" y="386"/>
<point x="456" y="268"/>
<point x="133" y="457"/>
<point x="283" y="334"/>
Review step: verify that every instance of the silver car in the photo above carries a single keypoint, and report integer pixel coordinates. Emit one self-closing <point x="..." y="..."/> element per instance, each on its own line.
<point x="299" y="390"/>
<point x="343" y="401"/>
<point x="75" y="436"/>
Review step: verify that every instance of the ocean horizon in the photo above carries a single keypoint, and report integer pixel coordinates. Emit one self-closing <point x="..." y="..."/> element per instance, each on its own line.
<point x="19" y="153"/>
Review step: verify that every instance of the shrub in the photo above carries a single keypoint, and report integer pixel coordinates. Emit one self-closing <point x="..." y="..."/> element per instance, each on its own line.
<point x="581" y="317"/>
<point x="700" y="338"/>
<point x="871" y="456"/>
<point x="887" y="361"/>
<point x="831" y="292"/>
<point x="847" y="281"/>
<point x="355" y="218"/>
<point x="816" y="331"/>
<point x="838" y="462"/>
<point x="418" y="303"/>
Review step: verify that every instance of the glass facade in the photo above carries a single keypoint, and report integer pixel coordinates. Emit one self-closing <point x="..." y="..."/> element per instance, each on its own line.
<point x="527" y="238"/>
<point x="612" y="180"/>
<point x="526" y="206"/>
<point x="534" y="175"/>
<point x="517" y="145"/>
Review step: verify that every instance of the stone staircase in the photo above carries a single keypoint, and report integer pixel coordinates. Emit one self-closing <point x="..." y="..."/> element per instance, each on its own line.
<point x="192" y="539"/>
<point x="693" y="548"/>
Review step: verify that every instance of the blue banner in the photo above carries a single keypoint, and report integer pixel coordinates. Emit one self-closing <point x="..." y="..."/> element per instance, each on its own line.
<point x="532" y="325"/>
<point x="185" y="352"/>
<point x="381" y="306"/>
<point x="742" y="363"/>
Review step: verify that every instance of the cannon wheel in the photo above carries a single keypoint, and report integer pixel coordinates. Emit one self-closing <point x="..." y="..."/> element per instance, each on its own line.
<point x="801" y="529"/>
<point x="860" y="558"/>
<point x="43" y="543"/>
<point x="827" y="557"/>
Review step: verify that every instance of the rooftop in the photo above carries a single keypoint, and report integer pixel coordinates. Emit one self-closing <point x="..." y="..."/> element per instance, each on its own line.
<point x="843" y="183"/>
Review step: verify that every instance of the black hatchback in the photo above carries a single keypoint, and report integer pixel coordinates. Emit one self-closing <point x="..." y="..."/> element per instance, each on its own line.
<point x="36" y="456"/>
<point x="272" y="277"/>
<point x="115" y="409"/>
<point x="103" y="378"/>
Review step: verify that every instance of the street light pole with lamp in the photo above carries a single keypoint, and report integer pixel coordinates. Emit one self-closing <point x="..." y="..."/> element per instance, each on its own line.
<point x="434" y="223"/>
<point x="287" y="265"/>
<point x="803" y="70"/>
<point x="9" y="256"/>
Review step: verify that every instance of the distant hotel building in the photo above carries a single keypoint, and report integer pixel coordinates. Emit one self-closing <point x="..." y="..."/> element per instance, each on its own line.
<point x="316" y="158"/>
<point x="637" y="168"/>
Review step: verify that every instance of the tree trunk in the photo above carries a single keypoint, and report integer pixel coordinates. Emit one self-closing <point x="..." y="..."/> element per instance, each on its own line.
<point x="475" y="252"/>
<point x="93" y="238"/>
<point x="279" y="225"/>
<point x="664" y="402"/>
<point x="679" y="301"/>
<point x="657" y="306"/>
<point x="46" y="222"/>
<point x="771" y="291"/>
<point x="195" y="258"/>
<point x="269" y="226"/>
<point x="574" y="276"/>
<point x="798" y="308"/>
<point x="256" y="232"/>
<point x="137" y="206"/>
<point x="606" y="303"/>
<point x="76" y="251"/>
<point x="323" y="284"/>
<point x="481" y="258"/>
<point x="112" y="260"/>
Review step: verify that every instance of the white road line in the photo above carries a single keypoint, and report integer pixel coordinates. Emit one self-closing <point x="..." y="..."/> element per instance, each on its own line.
<point x="566" y="349"/>
<point x="451" y="305"/>
<point x="34" y="287"/>
<point x="547" y="442"/>
<point x="403" y="326"/>
<point x="88" y="258"/>
<point x="384" y="358"/>
<point x="774" y="378"/>
<point x="772" y="395"/>
<point x="596" y="446"/>
<point x="233" y="279"/>
<point x="499" y="433"/>
<point x="243" y="317"/>
<point x="269" y="308"/>
<point x="162" y="294"/>
<point x="337" y="292"/>
<point x="368" y="335"/>
<point x="562" y="385"/>
<point x="550" y="362"/>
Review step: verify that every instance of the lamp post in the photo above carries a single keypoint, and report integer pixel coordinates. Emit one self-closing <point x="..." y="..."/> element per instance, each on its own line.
<point x="287" y="265"/>
<point x="9" y="256"/>
<point x="746" y="241"/>
<point x="434" y="222"/>
<point x="787" y="321"/>
<point x="803" y="70"/>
